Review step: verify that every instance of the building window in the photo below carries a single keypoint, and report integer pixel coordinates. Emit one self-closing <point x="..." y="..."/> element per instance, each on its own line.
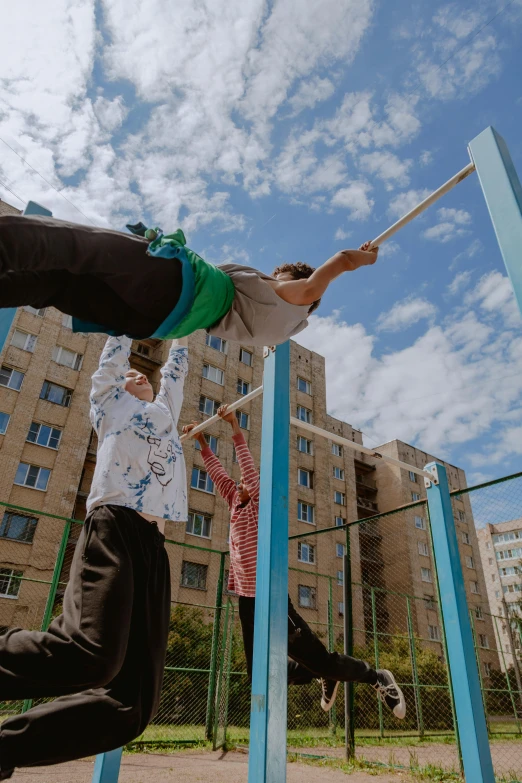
<point x="43" y="435"/>
<point x="199" y="524"/>
<point x="490" y="561"/>
<point x="67" y="358"/>
<point x="469" y="562"/>
<point x="420" y="523"/>
<point x="415" y="496"/>
<point x="216" y="342"/>
<point x="214" y="374"/>
<point x="478" y="613"/>
<point x="304" y="386"/>
<point x="67" y="321"/>
<point x="35" y="310"/>
<point x="57" y="394"/>
<point x="10" y="582"/>
<point x="483" y="640"/>
<point x="194" y="575"/>
<point x="18" y="527"/>
<point x="234" y="455"/>
<point x="413" y="476"/>
<point x="32" y="476"/>
<point x="307" y="597"/>
<point x="201" y="480"/>
<point x="339" y="550"/>
<point x="423" y="548"/>
<point x="304" y="445"/>
<point x="246" y="357"/>
<point x="339" y="498"/>
<point x="4" y="422"/>
<point x="143" y="349"/>
<point x="426" y="575"/>
<point x="473" y="586"/>
<point x="462" y="516"/>
<point x="429" y="602"/>
<point x="340" y="608"/>
<point x="339" y="521"/>
<point x="11" y="378"/>
<point x="305" y="553"/>
<point x="304" y="414"/>
<point x="243" y="420"/>
<point x="487" y="669"/>
<point x="434" y="633"/>
<point x="488" y="545"/>
<point x="338" y="473"/>
<point x="465" y="538"/>
<point x="337" y="450"/>
<point x="305" y="478"/>
<point x="212" y="443"/>
<point x="23" y="340"/>
<point x="207" y="406"/>
<point x="243" y="387"/>
<point x="340" y="577"/>
<point x="497" y="593"/>
<point x="305" y="513"/>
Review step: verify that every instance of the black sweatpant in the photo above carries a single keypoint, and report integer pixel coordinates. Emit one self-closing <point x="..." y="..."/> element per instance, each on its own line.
<point x="95" y="274"/>
<point x="104" y="656"/>
<point x="310" y="658"/>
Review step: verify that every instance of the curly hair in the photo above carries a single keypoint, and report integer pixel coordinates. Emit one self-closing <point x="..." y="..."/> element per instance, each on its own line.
<point x="298" y="271"/>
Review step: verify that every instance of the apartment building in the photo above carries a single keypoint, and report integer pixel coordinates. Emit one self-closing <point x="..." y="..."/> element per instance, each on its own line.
<point x="500" y="547"/>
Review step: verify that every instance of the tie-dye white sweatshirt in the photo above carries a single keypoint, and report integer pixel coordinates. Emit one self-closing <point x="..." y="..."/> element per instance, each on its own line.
<point x="140" y="461"/>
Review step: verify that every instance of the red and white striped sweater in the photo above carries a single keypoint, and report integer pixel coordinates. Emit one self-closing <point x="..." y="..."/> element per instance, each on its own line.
<point x="243" y="521"/>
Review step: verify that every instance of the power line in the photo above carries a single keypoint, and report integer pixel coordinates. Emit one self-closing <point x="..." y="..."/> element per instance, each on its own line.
<point x="6" y="187"/>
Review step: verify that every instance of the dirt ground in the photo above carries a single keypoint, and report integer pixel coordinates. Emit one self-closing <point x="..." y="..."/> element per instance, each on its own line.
<point x="193" y="767"/>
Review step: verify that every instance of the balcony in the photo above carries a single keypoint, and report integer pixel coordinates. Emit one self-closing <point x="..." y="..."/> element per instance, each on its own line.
<point x="368" y="505"/>
<point x="366" y="482"/>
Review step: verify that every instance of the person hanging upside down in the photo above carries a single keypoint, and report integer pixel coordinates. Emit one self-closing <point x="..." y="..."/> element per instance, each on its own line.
<point x="148" y="284"/>
<point x="104" y="656"/>
<point x="310" y="658"/>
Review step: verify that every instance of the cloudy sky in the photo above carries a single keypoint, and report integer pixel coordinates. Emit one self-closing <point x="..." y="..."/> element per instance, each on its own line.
<point x="284" y="131"/>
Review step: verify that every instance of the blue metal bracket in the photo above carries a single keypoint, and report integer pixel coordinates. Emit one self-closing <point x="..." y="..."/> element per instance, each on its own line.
<point x="107" y="767"/>
<point x="267" y="755"/>
<point x="476" y="754"/>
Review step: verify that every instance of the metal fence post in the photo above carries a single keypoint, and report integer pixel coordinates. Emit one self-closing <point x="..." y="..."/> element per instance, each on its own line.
<point x="479" y="670"/>
<point x="415" y="671"/>
<point x="516" y="667"/>
<point x="107" y="766"/>
<point x="476" y="754"/>
<point x="349" y="717"/>
<point x="332" y="715"/>
<point x="268" y="717"/>
<point x="214" y="651"/>
<point x="376" y="652"/>
<point x="506" y="674"/>
<point x="48" y="613"/>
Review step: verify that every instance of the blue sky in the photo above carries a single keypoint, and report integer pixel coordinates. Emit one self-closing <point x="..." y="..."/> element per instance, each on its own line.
<point x="285" y="131"/>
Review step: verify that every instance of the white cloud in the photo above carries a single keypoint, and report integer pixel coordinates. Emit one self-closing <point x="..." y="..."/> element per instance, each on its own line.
<point x="389" y="248"/>
<point x="387" y="167"/>
<point x="405" y="313"/>
<point x="450" y="226"/>
<point x="460" y="281"/>
<point x="404" y="202"/>
<point x="341" y="234"/>
<point x="426" y="158"/>
<point x="355" y="199"/>
<point x="494" y="295"/>
<point x="310" y="93"/>
<point x="110" y="113"/>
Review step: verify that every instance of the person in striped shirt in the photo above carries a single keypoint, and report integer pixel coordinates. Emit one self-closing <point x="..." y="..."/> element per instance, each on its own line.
<point x="310" y="658"/>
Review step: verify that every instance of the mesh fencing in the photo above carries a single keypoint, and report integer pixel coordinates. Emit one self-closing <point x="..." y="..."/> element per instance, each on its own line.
<point x="357" y="573"/>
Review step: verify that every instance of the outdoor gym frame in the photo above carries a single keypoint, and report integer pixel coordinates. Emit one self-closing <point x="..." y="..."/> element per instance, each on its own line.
<point x="267" y="758"/>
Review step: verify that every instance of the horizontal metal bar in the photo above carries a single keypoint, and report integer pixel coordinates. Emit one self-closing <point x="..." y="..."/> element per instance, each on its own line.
<point x="431" y="199"/>
<point x="357" y="447"/>
<point x="232" y="407"/>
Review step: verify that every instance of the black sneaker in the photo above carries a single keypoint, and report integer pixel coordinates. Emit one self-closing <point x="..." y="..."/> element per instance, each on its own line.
<point x="389" y="693"/>
<point x="330" y="688"/>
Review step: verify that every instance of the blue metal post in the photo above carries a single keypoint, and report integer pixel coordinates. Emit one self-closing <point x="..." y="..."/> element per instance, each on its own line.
<point x="476" y="755"/>
<point x="267" y="756"/>
<point x="7" y="314"/>
<point x="503" y="194"/>
<point x="107" y="767"/>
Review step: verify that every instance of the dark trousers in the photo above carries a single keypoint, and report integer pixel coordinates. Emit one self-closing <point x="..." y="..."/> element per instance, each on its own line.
<point x="310" y="658"/>
<point x="104" y="656"/>
<point x="95" y="274"/>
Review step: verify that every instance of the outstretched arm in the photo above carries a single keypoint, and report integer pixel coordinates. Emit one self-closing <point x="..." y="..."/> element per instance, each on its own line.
<point x="225" y="485"/>
<point x="109" y="379"/>
<point x="173" y="375"/>
<point x="249" y="472"/>
<point x="307" y="291"/>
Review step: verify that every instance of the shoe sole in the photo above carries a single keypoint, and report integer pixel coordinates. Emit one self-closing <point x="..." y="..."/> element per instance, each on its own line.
<point x="400" y="709"/>
<point x="327" y="705"/>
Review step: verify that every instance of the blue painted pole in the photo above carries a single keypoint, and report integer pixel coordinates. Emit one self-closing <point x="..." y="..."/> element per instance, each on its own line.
<point x="7" y="314"/>
<point x="476" y="754"/>
<point x="503" y="194"/>
<point x="267" y="756"/>
<point x="107" y="767"/>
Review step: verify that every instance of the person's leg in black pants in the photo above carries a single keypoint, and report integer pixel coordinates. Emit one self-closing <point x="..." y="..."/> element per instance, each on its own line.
<point x="107" y="649"/>
<point x="147" y="285"/>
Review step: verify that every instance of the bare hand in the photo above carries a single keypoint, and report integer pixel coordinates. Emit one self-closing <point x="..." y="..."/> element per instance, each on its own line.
<point x="198" y="435"/>
<point x="362" y="257"/>
<point x="228" y="417"/>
